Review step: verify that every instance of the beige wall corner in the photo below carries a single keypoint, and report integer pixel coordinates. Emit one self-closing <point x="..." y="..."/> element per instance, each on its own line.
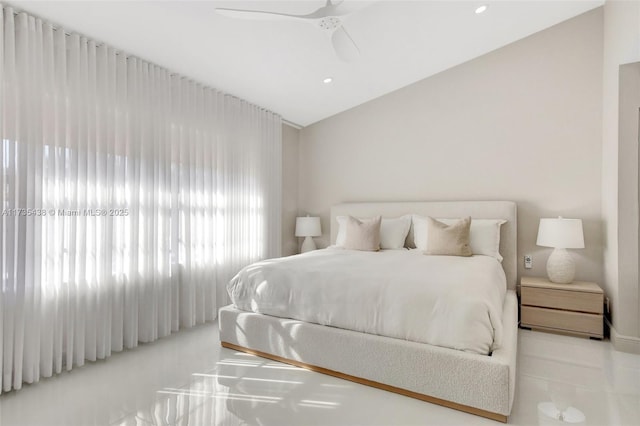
<point x="621" y="46"/>
<point x="628" y="320"/>
<point x="290" y="136"/>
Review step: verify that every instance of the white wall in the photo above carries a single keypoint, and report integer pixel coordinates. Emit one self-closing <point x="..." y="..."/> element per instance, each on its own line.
<point x="290" y="156"/>
<point x="621" y="45"/>
<point x="522" y="123"/>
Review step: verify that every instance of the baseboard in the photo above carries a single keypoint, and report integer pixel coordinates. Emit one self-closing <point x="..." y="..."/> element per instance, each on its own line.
<point x="624" y="343"/>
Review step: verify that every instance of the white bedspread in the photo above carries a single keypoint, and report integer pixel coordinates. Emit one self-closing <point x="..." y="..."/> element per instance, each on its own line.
<point x="448" y="301"/>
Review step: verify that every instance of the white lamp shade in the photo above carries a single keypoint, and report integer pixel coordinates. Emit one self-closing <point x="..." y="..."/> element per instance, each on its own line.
<point x="560" y="233"/>
<point x="308" y="227"/>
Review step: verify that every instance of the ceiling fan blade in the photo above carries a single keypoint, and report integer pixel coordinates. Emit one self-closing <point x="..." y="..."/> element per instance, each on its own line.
<point x="257" y="14"/>
<point x="344" y="8"/>
<point x="343" y="44"/>
<point x="330" y="9"/>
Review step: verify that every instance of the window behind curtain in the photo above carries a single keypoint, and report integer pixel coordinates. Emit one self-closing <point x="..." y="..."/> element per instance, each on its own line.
<point x="130" y="198"/>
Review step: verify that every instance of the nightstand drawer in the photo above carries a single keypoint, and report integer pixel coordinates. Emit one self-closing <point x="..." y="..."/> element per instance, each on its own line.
<point x="578" y="322"/>
<point x="562" y="299"/>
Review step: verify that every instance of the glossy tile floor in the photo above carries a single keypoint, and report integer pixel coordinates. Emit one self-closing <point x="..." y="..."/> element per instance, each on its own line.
<point x="188" y="379"/>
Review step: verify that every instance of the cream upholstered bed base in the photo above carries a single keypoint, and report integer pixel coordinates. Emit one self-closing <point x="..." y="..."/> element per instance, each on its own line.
<point x="478" y="384"/>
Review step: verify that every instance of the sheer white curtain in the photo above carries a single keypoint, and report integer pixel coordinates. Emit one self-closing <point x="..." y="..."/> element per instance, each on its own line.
<point x="129" y="195"/>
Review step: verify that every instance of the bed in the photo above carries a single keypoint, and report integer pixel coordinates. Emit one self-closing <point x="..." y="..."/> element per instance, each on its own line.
<point x="461" y="379"/>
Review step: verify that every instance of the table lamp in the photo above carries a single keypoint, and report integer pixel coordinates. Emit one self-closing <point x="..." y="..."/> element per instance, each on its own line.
<point x="561" y="234"/>
<point x="308" y="227"/>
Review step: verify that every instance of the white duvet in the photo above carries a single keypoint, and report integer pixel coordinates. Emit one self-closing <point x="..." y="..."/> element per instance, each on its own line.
<point x="454" y="302"/>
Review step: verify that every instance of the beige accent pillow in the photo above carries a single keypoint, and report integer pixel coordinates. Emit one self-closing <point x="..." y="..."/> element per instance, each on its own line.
<point x="363" y="235"/>
<point x="448" y="240"/>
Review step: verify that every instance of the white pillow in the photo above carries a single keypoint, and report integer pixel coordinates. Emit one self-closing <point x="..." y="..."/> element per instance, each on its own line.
<point x="393" y="232"/>
<point x="484" y="236"/>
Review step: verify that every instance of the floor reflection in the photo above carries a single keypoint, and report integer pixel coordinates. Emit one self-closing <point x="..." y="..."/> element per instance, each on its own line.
<point x="559" y="410"/>
<point x="188" y="379"/>
<point x="241" y="390"/>
<point x="549" y="415"/>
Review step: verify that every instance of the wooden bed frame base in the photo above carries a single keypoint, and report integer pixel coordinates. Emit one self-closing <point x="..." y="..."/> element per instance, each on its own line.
<point x="472" y="410"/>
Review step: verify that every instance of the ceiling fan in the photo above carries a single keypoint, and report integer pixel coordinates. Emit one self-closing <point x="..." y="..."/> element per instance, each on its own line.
<point x="328" y="18"/>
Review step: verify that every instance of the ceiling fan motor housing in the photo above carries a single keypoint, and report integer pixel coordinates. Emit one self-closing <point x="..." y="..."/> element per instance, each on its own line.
<point x="330" y="23"/>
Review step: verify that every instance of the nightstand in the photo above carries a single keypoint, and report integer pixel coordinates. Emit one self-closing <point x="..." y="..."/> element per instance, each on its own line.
<point x="575" y="308"/>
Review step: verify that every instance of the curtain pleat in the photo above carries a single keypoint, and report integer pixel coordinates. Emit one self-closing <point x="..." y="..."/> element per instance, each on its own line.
<point x="130" y="196"/>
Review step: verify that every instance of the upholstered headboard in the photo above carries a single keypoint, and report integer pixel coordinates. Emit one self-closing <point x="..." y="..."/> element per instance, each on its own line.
<point x="445" y="209"/>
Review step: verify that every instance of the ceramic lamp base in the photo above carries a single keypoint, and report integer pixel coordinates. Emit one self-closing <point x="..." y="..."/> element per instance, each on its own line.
<point x="308" y="245"/>
<point x="560" y="267"/>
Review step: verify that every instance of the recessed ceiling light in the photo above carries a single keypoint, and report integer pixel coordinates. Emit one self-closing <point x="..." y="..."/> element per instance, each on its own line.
<point x="327" y="80"/>
<point x="481" y="9"/>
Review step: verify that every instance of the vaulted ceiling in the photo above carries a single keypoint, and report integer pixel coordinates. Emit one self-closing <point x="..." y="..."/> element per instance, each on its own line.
<point x="281" y="64"/>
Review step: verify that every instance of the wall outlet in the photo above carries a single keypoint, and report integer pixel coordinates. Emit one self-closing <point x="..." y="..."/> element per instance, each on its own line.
<point x="528" y="261"/>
